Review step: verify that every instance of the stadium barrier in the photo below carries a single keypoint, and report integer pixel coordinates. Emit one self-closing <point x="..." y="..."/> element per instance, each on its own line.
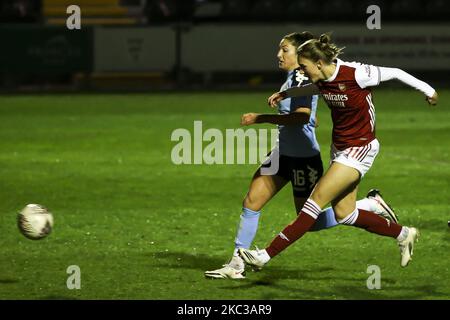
<point x="45" y="50"/>
<point x="205" y="55"/>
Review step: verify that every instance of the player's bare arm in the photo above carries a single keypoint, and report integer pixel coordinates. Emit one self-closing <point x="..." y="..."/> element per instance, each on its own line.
<point x="299" y="117"/>
<point x="307" y="90"/>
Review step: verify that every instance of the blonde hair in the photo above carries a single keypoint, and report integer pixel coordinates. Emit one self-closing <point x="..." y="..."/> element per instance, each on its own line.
<point x="320" y="49"/>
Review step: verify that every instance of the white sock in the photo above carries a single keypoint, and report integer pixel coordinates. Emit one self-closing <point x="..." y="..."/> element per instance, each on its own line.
<point x="368" y="205"/>
<point x="403" y="234"/>
<point x="237" y="263"/>
<point x="350" y="219"/>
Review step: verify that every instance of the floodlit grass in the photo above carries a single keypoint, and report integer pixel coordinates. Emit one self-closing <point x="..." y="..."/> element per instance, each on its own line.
<point x="140" y="227"/>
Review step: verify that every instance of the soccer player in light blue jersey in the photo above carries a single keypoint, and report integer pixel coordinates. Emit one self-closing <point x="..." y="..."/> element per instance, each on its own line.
<point x="299" y="161"/>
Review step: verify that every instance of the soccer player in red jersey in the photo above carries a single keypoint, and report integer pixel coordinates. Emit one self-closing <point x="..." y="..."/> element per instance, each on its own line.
<point x="346" y="89"/>
<point x="299" y="161"/>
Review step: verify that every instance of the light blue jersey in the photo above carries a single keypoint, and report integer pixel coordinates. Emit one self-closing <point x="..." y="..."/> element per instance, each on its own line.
<point x="298" y="140"/>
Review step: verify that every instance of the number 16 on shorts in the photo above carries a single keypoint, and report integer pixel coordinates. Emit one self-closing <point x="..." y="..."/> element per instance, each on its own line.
<point x="299" y="177"/>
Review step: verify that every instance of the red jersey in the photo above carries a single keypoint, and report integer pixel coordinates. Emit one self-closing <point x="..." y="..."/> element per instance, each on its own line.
<point x="350" y="101"/>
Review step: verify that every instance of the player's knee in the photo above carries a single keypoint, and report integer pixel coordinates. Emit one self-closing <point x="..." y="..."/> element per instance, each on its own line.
<point x="252" y="202"/>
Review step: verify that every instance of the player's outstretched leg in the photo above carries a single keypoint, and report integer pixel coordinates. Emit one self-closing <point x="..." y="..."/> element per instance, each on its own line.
<point x="372" y="202"/>
<point x="406" y="236"/>
<point x="262" y="189"/>
<point x="305" y="220"/>
<point x="235" y="269"/>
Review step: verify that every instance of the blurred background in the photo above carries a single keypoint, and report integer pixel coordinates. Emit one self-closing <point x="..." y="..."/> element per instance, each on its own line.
<point x="146" y="45"/>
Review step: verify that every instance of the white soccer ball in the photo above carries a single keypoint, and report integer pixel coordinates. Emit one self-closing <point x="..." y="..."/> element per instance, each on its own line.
<point x="35" y="221"/>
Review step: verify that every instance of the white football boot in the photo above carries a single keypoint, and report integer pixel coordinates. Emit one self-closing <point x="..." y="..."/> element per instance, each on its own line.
<point x="235" y="269"/>
<point x="384" y="209"/>
<point x="406" y="246"/>
<point x="254" y="258"/>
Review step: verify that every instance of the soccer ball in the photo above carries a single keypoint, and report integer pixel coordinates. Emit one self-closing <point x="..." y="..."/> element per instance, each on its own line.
<point x="35" y="221"/>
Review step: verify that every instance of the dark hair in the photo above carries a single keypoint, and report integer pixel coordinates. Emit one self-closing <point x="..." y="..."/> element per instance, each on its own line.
<point x="319" y="49"/>
<point x="298" y="38"/>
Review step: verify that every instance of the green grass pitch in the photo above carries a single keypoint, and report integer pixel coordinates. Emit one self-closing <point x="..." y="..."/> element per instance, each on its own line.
<point x="140" y="227"/>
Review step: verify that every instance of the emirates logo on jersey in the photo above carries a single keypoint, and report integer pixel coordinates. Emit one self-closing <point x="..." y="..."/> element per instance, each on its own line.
<point x="342" y="87"/>
<point x="335" y="100"/>
<point x="334" y="97"/>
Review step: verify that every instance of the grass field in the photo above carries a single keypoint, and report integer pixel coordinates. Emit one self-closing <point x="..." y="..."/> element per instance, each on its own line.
<point x="140" y="227"/>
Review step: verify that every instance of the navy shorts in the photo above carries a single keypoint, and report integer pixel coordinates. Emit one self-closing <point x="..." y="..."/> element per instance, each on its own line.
<point x="303" y="173"/>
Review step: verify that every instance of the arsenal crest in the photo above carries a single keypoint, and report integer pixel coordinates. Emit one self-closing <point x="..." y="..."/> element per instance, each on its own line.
<point x="342" y="87"/>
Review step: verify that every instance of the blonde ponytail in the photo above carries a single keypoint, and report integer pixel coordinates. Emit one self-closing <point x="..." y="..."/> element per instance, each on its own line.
<point x="320" y="49"/>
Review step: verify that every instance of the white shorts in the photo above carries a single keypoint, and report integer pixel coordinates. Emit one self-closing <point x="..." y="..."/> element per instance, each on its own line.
<point x="360" y="158"/>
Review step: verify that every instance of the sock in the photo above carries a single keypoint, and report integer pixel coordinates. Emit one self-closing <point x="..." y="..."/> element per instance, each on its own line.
<point x="246" y="230"/>
<point x="351" y="218"/>
<point x="368" y="205"/>
<point x="403" y="234"/>
<point x="373" y="223"/>
<point x="325" y="220"/>
<point x="296" y="229"/>
<point x="237" y="263"/>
